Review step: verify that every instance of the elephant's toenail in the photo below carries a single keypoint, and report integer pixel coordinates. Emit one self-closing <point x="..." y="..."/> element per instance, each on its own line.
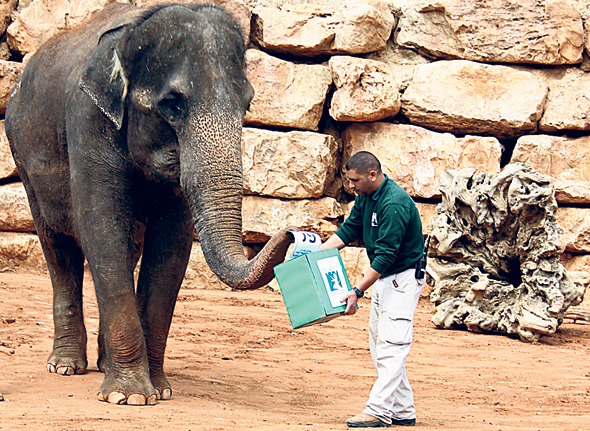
<point x="167" y="394"/>
<point x="65" y="371"/>
<point x="116" y="398"/>
<point x="136" y="400"/>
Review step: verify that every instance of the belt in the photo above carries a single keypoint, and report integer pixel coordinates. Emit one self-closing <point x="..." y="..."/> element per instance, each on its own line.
<point x="391" y="273"/>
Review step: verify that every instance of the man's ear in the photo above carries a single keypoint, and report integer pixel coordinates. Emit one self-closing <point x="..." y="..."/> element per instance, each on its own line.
<point x="104" y="78"/>
<point x="372" y="176"/>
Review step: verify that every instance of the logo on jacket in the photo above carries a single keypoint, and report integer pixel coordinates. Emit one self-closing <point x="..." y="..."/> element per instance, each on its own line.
<point x="374" y="220"/>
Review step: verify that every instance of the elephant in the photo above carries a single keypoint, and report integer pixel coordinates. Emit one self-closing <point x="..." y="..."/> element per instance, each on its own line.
<point x="126" y="132"/>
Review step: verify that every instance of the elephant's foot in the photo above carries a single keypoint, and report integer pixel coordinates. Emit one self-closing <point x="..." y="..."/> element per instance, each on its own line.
<point x="136" y="392"/>
<point x="67" y="361"/>
<point x="163" y="388"/>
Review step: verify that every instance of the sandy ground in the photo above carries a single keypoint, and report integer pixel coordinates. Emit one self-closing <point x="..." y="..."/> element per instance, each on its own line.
<point x="235" y="363"/>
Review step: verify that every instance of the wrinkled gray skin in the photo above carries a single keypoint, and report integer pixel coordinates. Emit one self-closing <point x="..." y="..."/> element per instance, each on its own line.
<point x="125" y="132"/>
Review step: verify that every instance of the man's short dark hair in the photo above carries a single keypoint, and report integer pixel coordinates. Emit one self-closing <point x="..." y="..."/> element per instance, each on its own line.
<point x="363" y="162"/>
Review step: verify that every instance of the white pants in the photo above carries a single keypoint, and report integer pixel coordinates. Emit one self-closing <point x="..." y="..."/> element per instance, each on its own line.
<point x="391" y="327"/>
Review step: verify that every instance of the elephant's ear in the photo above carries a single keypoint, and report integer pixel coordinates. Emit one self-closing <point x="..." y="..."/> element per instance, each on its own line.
<point x="104" y="79"/>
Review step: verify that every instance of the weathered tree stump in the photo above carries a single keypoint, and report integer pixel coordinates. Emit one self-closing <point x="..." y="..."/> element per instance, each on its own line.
<point x="578" y="313"/>
<point x="495" y="248"/>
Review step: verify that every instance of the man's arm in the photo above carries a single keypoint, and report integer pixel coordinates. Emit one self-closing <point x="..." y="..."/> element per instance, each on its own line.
<point x="370" y="277"/>
<point x="333" y="242"/>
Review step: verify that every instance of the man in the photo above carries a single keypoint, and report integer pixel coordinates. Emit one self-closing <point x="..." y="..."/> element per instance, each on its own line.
<point x="387" y="219"/>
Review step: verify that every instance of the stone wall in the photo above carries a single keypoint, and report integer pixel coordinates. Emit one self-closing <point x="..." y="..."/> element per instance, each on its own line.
<point x="427" y="86"/>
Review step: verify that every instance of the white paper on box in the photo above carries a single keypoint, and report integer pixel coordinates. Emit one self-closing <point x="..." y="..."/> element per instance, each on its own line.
<point x="334" y="279"/>
<point x="305" y="242"/>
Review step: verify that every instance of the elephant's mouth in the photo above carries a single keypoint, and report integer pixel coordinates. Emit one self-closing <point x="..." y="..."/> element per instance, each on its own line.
<point x="166" y="163"/>
<point x="162" y="164"/>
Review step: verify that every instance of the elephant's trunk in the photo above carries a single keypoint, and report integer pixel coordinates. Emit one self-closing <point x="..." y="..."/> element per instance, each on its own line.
<point x="211" y="175"/>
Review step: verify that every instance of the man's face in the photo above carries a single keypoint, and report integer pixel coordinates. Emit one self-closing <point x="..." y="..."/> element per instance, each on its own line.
<point x="361" y="184"/>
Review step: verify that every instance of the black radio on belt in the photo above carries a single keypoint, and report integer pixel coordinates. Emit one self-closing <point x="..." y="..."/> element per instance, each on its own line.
<point x="421" y="266"/>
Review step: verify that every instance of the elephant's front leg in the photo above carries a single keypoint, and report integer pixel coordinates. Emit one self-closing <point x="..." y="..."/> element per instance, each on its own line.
<point x="105" y="214"/>
<point x="126" y="367"/>
<point x="167" y="245"/>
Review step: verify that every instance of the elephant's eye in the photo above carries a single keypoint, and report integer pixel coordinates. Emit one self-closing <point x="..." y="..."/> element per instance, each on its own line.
<point x="173" y="107"/>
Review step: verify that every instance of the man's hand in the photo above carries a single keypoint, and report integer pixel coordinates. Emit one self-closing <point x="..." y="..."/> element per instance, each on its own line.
<point x="351" y="300"/>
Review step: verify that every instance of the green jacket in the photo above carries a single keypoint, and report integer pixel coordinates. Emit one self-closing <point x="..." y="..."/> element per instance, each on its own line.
<point x="389" y="224"/>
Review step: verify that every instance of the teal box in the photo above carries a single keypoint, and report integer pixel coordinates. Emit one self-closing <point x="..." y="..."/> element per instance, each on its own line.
<point x="312" y="286"/>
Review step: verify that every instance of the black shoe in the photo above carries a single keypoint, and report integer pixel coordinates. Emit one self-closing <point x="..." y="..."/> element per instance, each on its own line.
<point x="403" y="422"/>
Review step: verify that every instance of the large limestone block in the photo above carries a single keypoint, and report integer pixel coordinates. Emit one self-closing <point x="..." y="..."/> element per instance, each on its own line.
<point x="351" y="27"/>
<point x="415" y="157"/>
<point x="496" y="31"/>
<point x="496" y="249"/>
<point x="42" y="19"/>
<point x="575" y="223"/>
<point x="584" y="8"/>
<point x="576" y="262"/>
<point x="5" y="53"/>
<point x="286" y="94"/>
<point x="334" y="190"/>
<point x="7" y="165"/>
<point x="568" y="102"/>
<point x="262" y="217"/>
<point x="365" y="90"/>
<point x="467" y="97"/>
<point x="21" y="252"/>
<point x="427" y="214"/>
<point x="291" y="165"/>
<point x="565" y="160"/>
<point x="401" y="62"/>
<point x="10" y="71"/>
<point x="15" y="214"/>
<point x="7" y="8"/>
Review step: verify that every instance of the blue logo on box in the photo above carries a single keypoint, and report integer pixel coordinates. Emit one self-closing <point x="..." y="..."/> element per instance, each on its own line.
<point x="334" y="282"/>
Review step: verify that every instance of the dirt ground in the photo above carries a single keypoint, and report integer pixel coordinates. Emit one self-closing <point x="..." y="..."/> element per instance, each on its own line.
<point x="235" y="363"/>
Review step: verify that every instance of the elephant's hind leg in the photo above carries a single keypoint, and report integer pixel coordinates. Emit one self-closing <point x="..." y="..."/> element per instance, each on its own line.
<point x="65" y="261"/>
<point x="66" y="267"/>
